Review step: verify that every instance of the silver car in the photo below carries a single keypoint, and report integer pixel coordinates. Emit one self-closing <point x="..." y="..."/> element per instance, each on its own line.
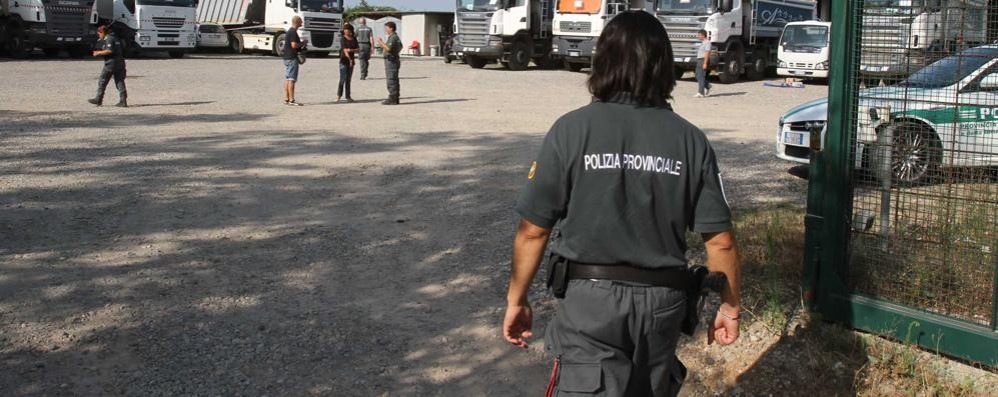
<point x="212" y="35"/>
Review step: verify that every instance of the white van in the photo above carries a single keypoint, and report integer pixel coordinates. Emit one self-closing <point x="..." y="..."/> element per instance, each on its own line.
<point x="804" y="50"/>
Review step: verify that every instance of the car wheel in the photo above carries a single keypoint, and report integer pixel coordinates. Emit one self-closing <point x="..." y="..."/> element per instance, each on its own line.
<point x="916" y="154"/>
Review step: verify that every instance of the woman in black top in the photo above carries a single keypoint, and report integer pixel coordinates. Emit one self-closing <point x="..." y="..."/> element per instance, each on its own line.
<point x="348" y="50"/>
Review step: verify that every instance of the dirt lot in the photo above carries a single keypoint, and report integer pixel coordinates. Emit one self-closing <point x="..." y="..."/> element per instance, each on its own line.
<point x="211" y="241"/>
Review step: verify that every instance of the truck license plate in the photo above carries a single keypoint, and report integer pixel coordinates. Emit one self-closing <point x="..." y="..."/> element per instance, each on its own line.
<point x="573" y="53"/>
<point x="793" y="138"/>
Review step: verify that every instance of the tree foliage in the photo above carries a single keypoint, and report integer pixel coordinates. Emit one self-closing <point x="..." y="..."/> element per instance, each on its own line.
<point x="363" y="7"/>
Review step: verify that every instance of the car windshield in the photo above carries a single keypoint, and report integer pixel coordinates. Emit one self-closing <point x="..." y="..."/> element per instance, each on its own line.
<point x="685" y="6"/>
<point x="167" y="3"/>
<point x="952" y="69"/>
<point x="813" y="36"/>
<point x="322" y="5"/>
<point x="210" y="29"/>
<point x="478" y="5"/>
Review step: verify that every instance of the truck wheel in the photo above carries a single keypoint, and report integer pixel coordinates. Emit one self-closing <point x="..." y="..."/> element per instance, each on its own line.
<point x="732" y="70"/>
<point x="474" y="62"/>
<point x="679" y="72"/>
<point x="176" y="54"/>
<point x="236" y="43"/>
<point x="78" y="51"/>
<point x="757" y="70"/>
<point x="17" y="46"/>
<point x="547" y="62"/>
<point x="574" y="67"/>
<point x="279" y="45"/>
<point x="916" y="154"/>
<point x="519" y="56"/>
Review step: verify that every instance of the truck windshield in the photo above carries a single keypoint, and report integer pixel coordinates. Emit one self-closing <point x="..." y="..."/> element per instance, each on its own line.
<point x="686" y="6"/>
<point x="478" y="5"/>
<point x="167" y="3"/>
<point x="322" y="5"/>
<point x="805" y="37"/>
<point x="952" y="69"/>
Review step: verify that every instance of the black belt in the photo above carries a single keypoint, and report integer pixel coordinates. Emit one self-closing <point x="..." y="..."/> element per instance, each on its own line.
<point x="678" y="278"/>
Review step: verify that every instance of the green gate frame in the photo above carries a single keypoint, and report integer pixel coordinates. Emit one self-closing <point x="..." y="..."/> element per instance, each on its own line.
<point x="829" y="208"/>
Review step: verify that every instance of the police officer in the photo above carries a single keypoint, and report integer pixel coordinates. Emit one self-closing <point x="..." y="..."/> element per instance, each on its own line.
<point x="109" y="47"/>
<point x="365" y="39"/>
<point x="392" y="62"/>
<point x="625" y="177"/>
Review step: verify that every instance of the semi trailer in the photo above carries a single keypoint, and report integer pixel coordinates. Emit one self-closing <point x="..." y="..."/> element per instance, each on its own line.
<point x="260" y="25"/>
<point x="49" y="25"/>
<point x="743" y="34"/>
<point x="511" y="32"/>
<point x="899" y="37"/>
<point x="151" y="25"/>
<point x="578" y="23"/>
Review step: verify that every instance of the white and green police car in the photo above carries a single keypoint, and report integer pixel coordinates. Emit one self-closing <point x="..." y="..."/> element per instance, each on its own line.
<point x="946" y="114"/>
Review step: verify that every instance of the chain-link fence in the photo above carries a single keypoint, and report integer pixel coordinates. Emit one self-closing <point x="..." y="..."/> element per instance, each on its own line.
<point x="922" y="130"/>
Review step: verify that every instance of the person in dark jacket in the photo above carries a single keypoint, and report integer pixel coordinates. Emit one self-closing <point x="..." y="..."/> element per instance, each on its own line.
<point x="348" y="55"/>
<point x="110" y="48"/>
<point x="624" y="179"/>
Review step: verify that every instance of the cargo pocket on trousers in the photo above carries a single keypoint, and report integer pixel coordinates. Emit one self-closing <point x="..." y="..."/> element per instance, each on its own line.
<point x="579" y="379"/>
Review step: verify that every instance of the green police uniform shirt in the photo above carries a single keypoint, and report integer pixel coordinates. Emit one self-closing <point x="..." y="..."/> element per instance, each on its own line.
<point x="117" y="57"/>
<point x="626" y="182"/>
<point x="394" y="46"/>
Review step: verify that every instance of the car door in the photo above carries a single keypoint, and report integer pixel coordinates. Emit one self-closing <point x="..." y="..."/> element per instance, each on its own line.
<point x="977" y="130"/>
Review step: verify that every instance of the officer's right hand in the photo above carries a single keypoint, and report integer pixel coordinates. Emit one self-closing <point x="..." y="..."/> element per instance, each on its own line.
<point x="724" y="330"/>
<point x="516" y="328"/>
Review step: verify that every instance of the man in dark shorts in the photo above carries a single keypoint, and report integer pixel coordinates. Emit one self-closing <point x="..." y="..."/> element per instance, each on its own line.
<point x="114" y="66"/>
<point x="292" y="44"/>
<point x="624" y="178"/>
<point x="392" y="63"/>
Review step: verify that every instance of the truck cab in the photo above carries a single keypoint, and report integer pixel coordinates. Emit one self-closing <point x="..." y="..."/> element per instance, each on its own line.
<point x="49" y="25"/>
<point x="577" y="24"/>
<point x="152" y="25"/>
<point x="804" y="49"/>
<point x="322" y="23"/>
<point x="512" y="32"/>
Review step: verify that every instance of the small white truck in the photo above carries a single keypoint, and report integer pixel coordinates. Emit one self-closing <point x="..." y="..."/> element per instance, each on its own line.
<point x="151" y="25"/>
<point x="804" y="50"/>
<point x="260" y="25"/>
<point x="578" y="23"/>
<point x="51" y="25"/>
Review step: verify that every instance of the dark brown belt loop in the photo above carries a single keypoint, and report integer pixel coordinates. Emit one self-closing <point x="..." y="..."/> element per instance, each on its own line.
<point x="678" y="278"/>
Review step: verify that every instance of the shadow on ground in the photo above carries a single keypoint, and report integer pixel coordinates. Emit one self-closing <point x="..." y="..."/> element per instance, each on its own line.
<point x="238" y="263"/>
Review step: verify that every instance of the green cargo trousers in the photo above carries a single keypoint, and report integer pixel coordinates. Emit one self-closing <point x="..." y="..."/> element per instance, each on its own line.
<point x="612" y="338"/>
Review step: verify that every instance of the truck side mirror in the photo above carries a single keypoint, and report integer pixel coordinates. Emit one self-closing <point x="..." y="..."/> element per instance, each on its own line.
<point x="990" y="82"/>
<point x="725" y="6"/>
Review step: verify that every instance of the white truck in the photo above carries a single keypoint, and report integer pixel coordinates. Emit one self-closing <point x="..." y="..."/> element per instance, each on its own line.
<point x="260" y="25"/>
<point x="804" y="50"/>
<point x="151" y="25"/>
<point x="900" y="37"/>
<point x="512" y="32"/>
<point x="743" y="33"/>
<point x="51" y="25"/>
<point x="578" y="23"/>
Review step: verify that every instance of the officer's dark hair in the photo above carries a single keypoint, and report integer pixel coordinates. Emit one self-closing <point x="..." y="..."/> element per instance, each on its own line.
<point x="391" y="25"/>
<point x="634" y="57"/>
<point x="702" y="32"/>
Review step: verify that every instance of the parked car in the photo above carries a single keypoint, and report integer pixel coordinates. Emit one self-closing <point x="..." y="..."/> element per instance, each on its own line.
<point x="946" y="114"/>
<point x="212" y="36"/>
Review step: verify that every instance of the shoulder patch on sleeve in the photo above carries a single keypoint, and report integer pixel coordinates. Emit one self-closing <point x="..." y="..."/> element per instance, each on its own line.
<point x="533" y="171"/>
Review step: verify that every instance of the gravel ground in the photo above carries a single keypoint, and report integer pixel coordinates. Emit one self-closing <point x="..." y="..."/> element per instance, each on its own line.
<point x="211" y="241"/>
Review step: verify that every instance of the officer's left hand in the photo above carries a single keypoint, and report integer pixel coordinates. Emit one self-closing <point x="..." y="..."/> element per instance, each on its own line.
<point x="516" y="328"/>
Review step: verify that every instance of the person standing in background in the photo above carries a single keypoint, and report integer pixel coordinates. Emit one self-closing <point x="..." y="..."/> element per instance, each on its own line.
<point x="703" y="65"/>
<point x="114" y="66"/>
<point x="392" y="63"/>
<point x="365" y="41"/>
<point x="348" y="52"/>
<point x="292" y="43"/>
